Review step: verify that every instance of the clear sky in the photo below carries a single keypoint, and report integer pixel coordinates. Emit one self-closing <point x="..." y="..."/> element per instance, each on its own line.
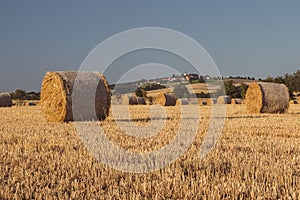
<point x="248" y="38"/>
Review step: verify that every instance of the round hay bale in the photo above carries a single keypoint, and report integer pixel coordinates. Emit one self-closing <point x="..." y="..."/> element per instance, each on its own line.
<point x="293" y="102"/>
<point x="182" y="101"/>
<point x="130" y="99"/>
<point x="267" y="98"/>
<point x="30" y="103"/>
<point x="210" y="101"/>
<point x="57" y="90"/>
<point x="236" y="101"/>
<point x="166" y="99"/>
<point x="141" y="100"/>
<point x="224" y="100"/>
<point x="202" y="102"/>
<point x="5" y="100"/>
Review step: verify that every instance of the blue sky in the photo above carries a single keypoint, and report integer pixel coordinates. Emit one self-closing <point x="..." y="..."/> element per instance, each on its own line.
<point x="248" y="38"/>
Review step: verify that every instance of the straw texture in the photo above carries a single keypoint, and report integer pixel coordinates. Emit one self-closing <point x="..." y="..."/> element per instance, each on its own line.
<point x="56" y="96"/>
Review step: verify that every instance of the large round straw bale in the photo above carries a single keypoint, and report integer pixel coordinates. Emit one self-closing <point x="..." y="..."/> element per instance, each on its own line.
<point x="141" y="100"/>
<point x="130" y="99"/>
<point x="267" y="98"/>
<point x="182" y="101"/>
<point x="5" y="100"/>
<point x="166" y="99"/>
<point x="224" y="100"/>
<point x="236" y="101"/>
<point x="57" y="90"/>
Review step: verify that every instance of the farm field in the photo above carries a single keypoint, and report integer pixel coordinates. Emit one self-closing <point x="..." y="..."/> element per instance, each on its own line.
<point x="256" y="157"/>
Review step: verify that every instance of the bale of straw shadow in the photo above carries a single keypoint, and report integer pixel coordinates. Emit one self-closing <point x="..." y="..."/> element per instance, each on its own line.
<point x="56" y="96"/>
<point x="5" y="100"/>
<point x="166" y="99"/>
<point x="267" y="98"/>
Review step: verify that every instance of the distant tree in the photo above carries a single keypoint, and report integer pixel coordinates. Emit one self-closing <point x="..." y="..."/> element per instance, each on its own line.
<point x="269" y="79"/>
<point x="112" y="87"/>
<point x="140" y="92"/>
<point x="18" y="95"/>
<point x="32" y="96"/>
<point x="279" y="79"/>
<point x="243" y="89"/>
<point x="232" y="90"/>
<point x="202" y="95"/>
<point x="152" y="86"/>
<point x="201" y="79"/>
<point x="22" y="95"/>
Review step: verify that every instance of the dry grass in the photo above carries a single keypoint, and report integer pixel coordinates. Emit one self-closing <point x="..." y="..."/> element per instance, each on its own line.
<point x="257" y="157"/>
<point x="202" y="87"/>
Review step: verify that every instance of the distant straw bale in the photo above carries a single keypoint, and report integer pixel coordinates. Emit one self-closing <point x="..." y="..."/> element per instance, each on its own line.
<point x="293" y="101"/>
<point x="267" y="98"/>
<point x="31" y="103"/>
<point x="211" y="101"/>
<point x="5" y="100"/>
<point x="202" y="102"/>
<point x="141" y="100"/>
<point x="224" y="100"/>
<point x="182" y="101"/>
<point x="166" y="99"/>
<point x="130" y="99"/>
<point x="92" y="101"/>
<point x="236" y="101"/>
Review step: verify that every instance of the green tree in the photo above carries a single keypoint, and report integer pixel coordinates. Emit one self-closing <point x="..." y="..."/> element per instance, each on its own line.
<point x="243" y="89"/>
<point x="231" y="90"/>
<point x="140" y="92"/>
<point x="18" y="95"/>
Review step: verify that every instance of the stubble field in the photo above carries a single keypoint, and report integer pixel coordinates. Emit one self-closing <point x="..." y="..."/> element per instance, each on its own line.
<point x="256" y="157"/>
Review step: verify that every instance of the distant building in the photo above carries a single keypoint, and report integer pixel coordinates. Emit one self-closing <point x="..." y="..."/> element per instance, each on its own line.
<point x="191" y="77"/>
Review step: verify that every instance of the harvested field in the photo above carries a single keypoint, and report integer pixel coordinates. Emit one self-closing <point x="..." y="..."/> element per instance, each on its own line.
<point x="42" y="160"/>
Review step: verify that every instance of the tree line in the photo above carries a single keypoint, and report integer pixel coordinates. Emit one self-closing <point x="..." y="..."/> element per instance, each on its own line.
<point x="22" y="95"/>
